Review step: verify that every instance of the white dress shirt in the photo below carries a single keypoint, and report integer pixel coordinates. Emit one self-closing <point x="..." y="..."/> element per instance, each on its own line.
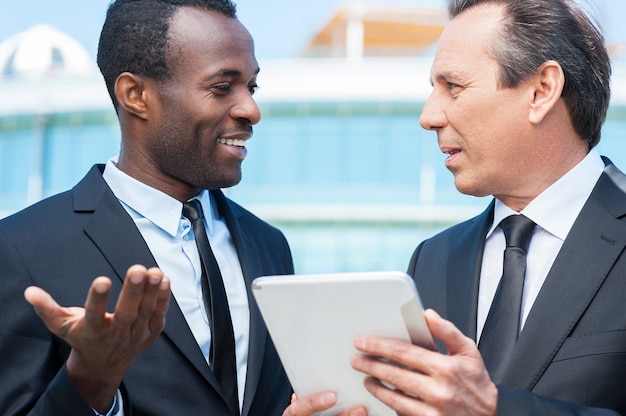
<point x="170" y="238"/>
<point x="554" y="211"/>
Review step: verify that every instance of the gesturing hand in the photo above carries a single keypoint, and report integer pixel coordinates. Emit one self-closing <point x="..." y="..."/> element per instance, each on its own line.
<point x="105" y="344"/>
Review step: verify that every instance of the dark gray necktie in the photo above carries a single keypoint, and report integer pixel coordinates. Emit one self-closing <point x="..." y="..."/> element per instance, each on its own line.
<point x="501" y="329"/>
<point x="222" y="355"/>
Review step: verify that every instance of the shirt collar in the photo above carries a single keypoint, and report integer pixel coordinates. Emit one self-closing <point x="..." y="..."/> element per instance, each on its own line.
<point x="556" y="208"/>
<point x="144" y="201"/>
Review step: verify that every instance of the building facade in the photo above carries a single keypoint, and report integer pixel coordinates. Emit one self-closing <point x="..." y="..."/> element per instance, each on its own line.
<point x="338" y="161"/>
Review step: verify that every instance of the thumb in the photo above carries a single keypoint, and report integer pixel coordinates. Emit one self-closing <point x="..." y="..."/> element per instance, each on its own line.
<point x="454" y="340"/>
<point x="50" y="312"/>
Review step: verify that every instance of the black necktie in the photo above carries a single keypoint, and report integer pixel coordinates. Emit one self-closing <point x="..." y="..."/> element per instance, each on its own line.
<point x="222" y="354"/>
<point x="502" y="326"/>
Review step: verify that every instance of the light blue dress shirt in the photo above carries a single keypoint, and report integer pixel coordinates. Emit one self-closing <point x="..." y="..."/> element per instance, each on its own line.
<point x="170" y="238"/>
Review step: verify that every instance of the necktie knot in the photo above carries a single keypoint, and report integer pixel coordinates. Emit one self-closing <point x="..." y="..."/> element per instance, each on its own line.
<point x="518" y="231"/>
<point x="192" y="210"/>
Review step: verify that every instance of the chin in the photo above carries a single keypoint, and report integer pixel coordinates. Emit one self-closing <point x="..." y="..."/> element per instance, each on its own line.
<point x="469" y="189"/>
<point x="227" y="182"/>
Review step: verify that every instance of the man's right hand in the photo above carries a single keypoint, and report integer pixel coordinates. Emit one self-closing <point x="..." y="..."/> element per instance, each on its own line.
<point x="309" y="405"/>
<point x="105" y="344"/>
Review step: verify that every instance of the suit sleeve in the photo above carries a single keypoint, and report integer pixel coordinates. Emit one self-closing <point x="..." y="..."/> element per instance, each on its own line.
<point x="512" y="402"/>
<point x="411" y="271"/>
<point x="33" y="380"/>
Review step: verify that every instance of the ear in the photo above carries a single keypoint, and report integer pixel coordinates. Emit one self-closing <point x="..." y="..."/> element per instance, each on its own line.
<point x="547" y="87"/>
<point x="132" y="95"/>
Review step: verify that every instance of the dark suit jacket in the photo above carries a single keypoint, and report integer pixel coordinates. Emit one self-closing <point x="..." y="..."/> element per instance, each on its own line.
<point x="573" y="345"/>
<point x="61" y="244"/>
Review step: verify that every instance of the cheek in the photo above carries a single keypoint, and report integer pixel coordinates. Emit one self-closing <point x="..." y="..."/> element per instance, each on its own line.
<point x="493" y="129"/>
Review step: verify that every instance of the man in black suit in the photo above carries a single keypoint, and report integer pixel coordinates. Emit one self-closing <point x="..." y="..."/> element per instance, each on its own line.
<point x="181" y="75"/>
<point x="520" y="92"/>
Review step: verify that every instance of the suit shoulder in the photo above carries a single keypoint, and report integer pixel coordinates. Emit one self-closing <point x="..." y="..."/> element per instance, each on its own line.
<point x="43" y="211"/>
<point x="56" y="209"/>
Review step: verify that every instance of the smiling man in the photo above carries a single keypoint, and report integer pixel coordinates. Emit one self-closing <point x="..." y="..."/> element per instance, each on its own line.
<point x="181" y="75"/>
<point x="520" y="92"/>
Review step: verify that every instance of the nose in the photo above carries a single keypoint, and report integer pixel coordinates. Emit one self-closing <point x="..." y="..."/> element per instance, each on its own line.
<point x="246" y="108"/>
<point x="433" y="116"/>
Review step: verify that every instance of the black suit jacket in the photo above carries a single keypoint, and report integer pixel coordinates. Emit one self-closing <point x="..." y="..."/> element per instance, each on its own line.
<point x="571" y="353"/>
<point x="61" y="244"/>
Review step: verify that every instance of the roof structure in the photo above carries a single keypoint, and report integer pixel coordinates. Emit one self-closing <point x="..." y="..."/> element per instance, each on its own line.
<point x="43" y="71"/>
<point x="360" y="30"/>
<point x="42" y="51"/>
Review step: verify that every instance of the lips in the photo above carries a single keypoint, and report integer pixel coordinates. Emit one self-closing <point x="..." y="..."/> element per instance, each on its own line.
<point x="452" y="153"/>
<point x="450" y="150"/>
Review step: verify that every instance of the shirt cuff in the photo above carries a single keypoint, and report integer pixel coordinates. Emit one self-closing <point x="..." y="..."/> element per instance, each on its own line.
<point x="114" y="409"/>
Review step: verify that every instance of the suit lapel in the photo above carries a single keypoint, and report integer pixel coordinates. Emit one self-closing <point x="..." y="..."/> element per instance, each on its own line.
<point x="111" y="228"/>
<point x="114" y="232"/>
<point x="251" y="268"/>
<point x="594" y="243"/>
<point x="463" y="281"/>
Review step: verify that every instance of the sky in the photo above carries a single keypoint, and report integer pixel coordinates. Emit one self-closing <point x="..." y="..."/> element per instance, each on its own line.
<point x="281" y="28"/>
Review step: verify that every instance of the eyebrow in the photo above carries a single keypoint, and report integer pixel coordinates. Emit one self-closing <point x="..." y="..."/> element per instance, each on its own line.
<point x="446" y="77"/>
<point x="228" y="73"/>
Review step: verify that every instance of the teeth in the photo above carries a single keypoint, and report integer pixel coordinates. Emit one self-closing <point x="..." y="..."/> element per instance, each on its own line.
<point x="232" y="142"/>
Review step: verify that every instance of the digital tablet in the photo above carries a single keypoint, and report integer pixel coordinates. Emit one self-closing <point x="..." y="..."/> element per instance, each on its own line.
<point x="313" y="320"/>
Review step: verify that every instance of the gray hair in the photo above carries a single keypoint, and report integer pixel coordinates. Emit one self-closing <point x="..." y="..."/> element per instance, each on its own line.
<point x="536" y="31"/>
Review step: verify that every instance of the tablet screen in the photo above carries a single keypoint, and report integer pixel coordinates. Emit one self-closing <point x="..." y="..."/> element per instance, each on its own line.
<point x="313" y="320"/>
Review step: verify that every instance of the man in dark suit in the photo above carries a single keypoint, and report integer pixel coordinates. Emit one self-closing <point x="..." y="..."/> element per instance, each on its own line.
<point x="520" y="92"/>
<point x="181" y="75"/>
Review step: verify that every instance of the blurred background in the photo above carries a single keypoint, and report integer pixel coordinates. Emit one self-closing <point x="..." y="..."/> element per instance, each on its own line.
<point x="338" y="162"/>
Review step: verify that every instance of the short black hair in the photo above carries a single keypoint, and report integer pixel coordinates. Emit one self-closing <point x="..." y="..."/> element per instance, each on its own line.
<point x="134" y="37"/>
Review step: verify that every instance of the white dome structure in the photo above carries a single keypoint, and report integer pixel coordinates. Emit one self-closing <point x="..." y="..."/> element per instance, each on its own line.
<point x="44" y="71"/>
<point x="43" y="51"/>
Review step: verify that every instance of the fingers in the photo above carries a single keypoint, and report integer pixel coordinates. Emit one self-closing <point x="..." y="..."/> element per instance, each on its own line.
<point x="405" y="367"/>
<point x="96" y="303"/>
<point x="414" y="380"/>
<point x="399" y="401"/>
<point x="142" y="304"/>
<point x="157" y="320"/>
<point x="309" y="405"/>
<point x="354" y="411"/>
<point x="403" y="379"/>
<point x="132" y="294"/>
<point x="139" y="294"/>
<point x="403" y="353"/>
<point x="314" y="403"/>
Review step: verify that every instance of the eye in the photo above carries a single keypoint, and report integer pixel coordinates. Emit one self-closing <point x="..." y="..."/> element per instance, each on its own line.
<point x="253" y="88"/>
<point x="454" y="89"/>
<point x="222" y="88"/>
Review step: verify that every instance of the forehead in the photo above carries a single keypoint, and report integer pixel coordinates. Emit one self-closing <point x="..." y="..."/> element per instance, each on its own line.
<point x="465" y="42"/>
<point x="208" y="38"/>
